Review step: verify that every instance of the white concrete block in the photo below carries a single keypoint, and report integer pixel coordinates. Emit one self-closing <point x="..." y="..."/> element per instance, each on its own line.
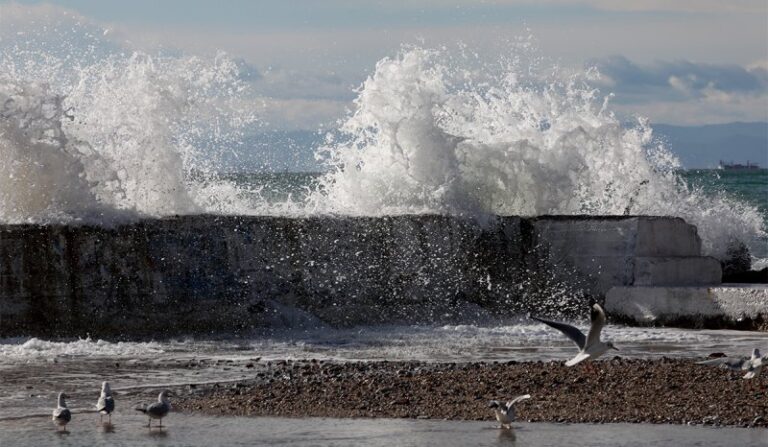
<point x="646" y="305"/>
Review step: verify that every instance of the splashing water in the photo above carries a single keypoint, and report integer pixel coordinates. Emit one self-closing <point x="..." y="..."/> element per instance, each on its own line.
<point x="97" y="138"/>
<point x="108" y="135"/>
<point x="428" y="136"/>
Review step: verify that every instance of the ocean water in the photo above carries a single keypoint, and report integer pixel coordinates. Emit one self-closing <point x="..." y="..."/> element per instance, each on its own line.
<point x="749" y="187"/>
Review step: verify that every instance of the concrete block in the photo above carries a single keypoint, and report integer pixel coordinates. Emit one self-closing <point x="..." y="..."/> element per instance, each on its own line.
<point x="202" y="272"/>
<point x="666" y="236"/>
<point x="587" y="237"/>
<point x="689" y="306"/>
<point x="677" y="271"/>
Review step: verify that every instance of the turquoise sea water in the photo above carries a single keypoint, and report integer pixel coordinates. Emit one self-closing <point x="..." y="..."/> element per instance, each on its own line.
<point x="747" y="186"/>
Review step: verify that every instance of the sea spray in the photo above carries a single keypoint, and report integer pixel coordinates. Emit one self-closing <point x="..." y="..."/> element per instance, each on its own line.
<point x="104" y="135"/>
<point x="41" y="170"/>
<point x="424" y="138"/>
<point x="94" y="131"/>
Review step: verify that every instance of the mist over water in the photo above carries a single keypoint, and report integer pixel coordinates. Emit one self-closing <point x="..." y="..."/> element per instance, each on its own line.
<point x="106" y="134"/>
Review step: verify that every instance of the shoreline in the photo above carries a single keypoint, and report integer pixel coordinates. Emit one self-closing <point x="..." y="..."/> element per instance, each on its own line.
<point x="666" y="391"/>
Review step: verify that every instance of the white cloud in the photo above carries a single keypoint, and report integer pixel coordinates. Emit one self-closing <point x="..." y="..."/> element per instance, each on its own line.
<point x="306" y="76"/>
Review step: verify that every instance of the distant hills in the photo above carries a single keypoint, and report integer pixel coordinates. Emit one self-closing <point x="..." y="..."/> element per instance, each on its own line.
<point x="705" y="146"/>
<point x="696" y="146"/>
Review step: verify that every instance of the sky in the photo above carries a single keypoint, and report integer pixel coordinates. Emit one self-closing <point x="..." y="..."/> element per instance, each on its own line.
<point x="685" y="62"/>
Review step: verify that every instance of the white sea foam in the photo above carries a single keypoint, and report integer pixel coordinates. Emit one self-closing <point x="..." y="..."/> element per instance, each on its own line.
<point x="518" y="340"/>
<point x="96" y="138"/>
<point x="35" y="348"/>
<point x="430" y="135"/>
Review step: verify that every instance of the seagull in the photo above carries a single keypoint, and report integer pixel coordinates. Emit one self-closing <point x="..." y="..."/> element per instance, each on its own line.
<point x="505" y="412"/>
<point x="159" y="409"/>
<point x="590" y="347"/>
<point x="753" y="365"/>
<point x="61" y="415"/>
<point x="106" y="404"/>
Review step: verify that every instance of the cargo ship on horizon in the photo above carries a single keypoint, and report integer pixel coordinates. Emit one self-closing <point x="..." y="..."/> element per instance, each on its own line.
<point x="737" y="166"/>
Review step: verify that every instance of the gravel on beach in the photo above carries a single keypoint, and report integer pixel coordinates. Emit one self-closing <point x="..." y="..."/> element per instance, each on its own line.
<point x="666" y="391"/>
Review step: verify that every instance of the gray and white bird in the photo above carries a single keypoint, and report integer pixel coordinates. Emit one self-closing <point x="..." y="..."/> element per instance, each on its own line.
<point x="106" y="403"/>
<point x="590" y="347"/>
<point x="505" y="412"/>
<point x="61" y="415"/>
<point x="159" y="409"/>
<point x="753" y="365"/>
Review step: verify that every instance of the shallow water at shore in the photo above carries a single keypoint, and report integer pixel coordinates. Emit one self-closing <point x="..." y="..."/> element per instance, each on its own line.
<point x="195" y="430"/>
<point x="33" y="371"/>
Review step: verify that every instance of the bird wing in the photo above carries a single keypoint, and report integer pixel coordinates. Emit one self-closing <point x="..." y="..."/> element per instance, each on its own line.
<point x="570" y="331"/>
<point x="597" y="316"/>
<point x="158" y="409"/>
<point x="106" y="403"/>
<point x="580" y="357"/>
<point x="62" y="414"/>
<point x="518" y="399"/>
<point x="101" y="405"/>
<point x="752" y="373"/>
<point x="734" y="363"/>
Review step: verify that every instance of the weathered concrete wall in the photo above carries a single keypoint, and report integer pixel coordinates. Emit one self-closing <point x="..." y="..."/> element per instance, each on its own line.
<point x="615" y="251"/>
<point x="735" y="306"/>
<point x="226" y="273"/>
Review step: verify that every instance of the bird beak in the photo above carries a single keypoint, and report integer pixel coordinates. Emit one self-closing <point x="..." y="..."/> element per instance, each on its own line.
<point x="614" y="347"/>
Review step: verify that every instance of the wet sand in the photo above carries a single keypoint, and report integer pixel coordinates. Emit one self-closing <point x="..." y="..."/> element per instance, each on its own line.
<point x="617" y="390"/>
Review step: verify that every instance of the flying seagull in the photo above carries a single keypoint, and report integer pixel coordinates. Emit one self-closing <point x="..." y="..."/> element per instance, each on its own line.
<point x="159" y="409"/>
<point x="61" y="415"/>
<point x="106" y="403"/>
<point x="753" y="365"/>
<point x="590" y="347"/>
<point x="505" y="412"/>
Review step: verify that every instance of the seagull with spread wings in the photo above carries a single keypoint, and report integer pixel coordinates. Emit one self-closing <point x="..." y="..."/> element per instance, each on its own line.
<point x="590" y="346"/>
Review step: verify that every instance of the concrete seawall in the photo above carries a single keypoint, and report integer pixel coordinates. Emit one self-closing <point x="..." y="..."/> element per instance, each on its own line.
<point x="202" y="274"/>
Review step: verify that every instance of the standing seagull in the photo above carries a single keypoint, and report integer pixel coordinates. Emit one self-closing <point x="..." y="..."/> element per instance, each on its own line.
<point x="505" y="412"/>
<point x="590" y="347"/>
<point x="106" y="404"/>
<point x="61" y="415"/>
<point x="159" y="409"/>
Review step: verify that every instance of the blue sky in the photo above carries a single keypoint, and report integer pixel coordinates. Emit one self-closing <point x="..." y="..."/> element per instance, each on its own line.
<point x="679" y="62"/>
